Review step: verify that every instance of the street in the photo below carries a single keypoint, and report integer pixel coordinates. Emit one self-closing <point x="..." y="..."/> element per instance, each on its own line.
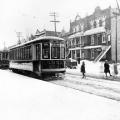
<point x="25" y="98"/>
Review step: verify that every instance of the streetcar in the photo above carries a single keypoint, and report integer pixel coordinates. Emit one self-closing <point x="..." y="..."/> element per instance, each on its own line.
<point x="4" y="59"/>
<point x="43" y="55"/>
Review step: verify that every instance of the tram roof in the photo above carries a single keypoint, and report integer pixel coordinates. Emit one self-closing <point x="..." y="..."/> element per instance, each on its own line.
<point x="39" y="39"/>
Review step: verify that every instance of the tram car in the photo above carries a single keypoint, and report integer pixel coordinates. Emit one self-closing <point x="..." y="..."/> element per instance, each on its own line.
<point x="4" y="62"/>
<point x="43" y="55"/>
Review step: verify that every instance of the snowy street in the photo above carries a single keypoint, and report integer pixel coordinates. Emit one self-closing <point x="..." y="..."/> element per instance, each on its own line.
<point x="25" y="98"/>
<point x="101" y="87"/>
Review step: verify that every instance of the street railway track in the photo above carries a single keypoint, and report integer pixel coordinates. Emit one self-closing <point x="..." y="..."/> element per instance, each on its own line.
<point x="100" y="87"/>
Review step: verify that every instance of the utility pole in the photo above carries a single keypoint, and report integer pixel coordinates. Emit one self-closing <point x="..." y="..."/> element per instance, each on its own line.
<point x="54" y="21"/>
<point x="4" y="46"/>
<point x="117" y="13"/>
<point x="19" y="35"/>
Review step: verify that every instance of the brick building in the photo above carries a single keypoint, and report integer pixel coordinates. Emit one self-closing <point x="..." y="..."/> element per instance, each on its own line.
<point x="90" y="37"/>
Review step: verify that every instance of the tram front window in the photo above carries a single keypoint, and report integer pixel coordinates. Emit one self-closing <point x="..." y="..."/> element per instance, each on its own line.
<point x="55" y="51"/>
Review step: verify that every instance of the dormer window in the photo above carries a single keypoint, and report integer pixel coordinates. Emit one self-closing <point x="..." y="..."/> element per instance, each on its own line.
<point x="100" y="23"/>
<point x="82" y="27"/>
<point x="95" y="24"/>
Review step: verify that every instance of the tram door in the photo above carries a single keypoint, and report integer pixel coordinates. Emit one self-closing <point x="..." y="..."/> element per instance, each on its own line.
<point x="37" y="67"/>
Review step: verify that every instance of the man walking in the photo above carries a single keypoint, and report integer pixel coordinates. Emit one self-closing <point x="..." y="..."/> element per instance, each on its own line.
<point x="83" y="70"/>
<point x="107" y="68"/>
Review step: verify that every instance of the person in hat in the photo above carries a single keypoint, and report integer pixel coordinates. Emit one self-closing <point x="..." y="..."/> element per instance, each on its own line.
<point x="107" y="68"/>
<point x="83" y="70"/>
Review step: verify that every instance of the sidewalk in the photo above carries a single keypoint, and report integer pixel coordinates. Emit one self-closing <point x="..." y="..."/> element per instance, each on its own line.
<point x="95" y="70"/>
<point x="98" y="76"/>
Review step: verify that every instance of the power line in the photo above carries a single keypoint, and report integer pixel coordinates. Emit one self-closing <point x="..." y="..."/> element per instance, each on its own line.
<point x="54" y="20"/>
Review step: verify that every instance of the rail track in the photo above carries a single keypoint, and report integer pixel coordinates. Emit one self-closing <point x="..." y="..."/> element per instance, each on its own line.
<point x="100" y="87"/>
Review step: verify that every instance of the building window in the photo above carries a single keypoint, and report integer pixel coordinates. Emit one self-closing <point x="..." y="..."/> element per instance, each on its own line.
<point x="73" y="42"/>
<point x="109" y="38"/>
<point x="92" y="53"/>
<point x="82" y="41"/>
<point x="82" y="55"/>
<point x="82" y="27"/>
<point x="73" y="54"/>
<point x="74" y="29"/>
<point x="77" y="28"/>
<point x="100" y="23"/>
<point x="92" y="40"/>
<point x="95" y="24"/>
<point x="78" y="42"/>
<point x="103" y="38"/>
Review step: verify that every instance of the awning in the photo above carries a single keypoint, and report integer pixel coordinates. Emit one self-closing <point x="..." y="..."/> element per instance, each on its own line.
<point x="78" y="34"/>
<point x="94" y="31"/>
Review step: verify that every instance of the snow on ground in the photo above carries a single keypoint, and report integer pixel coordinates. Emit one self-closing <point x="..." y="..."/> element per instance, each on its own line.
<point x="24" y="98"/>
<point x="93" y="69"/>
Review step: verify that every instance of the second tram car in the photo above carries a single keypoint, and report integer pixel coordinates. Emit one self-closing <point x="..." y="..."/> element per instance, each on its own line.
<point x="41" y="55"/>
<point x="4" y="62"/>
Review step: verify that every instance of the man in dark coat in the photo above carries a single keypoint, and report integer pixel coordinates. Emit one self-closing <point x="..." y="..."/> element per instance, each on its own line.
<point x="83" y="69"/>
<point x="107" y="68"/>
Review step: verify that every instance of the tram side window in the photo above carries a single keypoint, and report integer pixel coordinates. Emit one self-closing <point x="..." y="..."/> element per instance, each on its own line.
<point x="29" y="52"/>
<point x="0" y="56"/>
<point x="23" y="53"/>
<point x="20" y="53"/>
<point x="10" y="55"/>
<point x="3" y="55"/>
<point x="46" y="51"/>
<point x="38" y="51"/>
<point x="15" y="54"/>
<point x="26" y="53"/>
<point x="62" y="52"/>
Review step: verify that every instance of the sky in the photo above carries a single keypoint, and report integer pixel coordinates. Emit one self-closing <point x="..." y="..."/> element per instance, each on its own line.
<point x="26" y="16"/>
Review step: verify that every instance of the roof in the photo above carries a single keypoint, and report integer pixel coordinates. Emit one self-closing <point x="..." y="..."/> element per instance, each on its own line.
<point x="78" y="34"/>
<point x="94" y="31"/>
<point x="39" y="39"/>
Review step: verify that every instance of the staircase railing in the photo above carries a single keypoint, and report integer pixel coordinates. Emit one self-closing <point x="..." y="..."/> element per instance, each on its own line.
<point x="103" y="52"/>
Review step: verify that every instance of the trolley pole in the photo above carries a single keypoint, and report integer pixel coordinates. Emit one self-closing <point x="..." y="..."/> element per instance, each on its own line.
<point x="54" y="21"/>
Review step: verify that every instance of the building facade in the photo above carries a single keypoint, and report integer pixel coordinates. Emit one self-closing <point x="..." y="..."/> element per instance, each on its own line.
<point x="90" y="37"/>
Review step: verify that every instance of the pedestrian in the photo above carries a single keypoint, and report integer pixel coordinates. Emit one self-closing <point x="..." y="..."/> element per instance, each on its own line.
<point x="83" y="69"/>
<point x="115" y="69"/>
<point x="107" y="68"/>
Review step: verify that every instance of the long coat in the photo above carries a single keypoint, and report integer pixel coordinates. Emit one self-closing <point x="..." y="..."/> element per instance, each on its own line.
<point x="83" y="68"/>
<point x="106" y="68"/>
